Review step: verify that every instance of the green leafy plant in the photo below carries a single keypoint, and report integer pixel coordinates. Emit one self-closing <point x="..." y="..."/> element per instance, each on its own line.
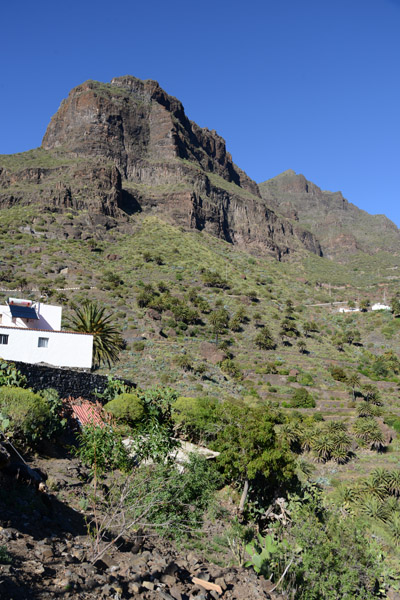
<point x="107" y="342"/>
<point x="100" y="447"/>
<point x="114" y="387"/>
<point x="11" y="376"/>
<point x="127" y="408"/>
<point x="264" y="552"/>
<point x="5" y="558"/>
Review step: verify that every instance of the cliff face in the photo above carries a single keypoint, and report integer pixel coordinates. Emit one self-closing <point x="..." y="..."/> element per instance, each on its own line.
<point x="119" y="148"/>
<point x="128" y="120"/>
<point x="341" y="227"/>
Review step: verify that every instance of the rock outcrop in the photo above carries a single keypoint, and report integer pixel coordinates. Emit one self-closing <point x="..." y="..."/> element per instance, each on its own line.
<point x="127" y="146"/>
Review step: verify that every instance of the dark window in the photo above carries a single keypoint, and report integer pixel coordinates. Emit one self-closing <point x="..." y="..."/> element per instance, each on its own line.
<point x="3" y="339"/>
<point x="43" y="342"/>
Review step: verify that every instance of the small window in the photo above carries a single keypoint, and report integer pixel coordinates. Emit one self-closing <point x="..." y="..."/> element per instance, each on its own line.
<point x="43" y="342"/>
<point x="3" y="339"/>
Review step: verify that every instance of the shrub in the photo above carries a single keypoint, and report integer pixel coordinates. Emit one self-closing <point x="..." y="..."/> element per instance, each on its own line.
<point x="175" y="502"/>
<point x="306" y="379"/>
<point x="302" y="399"/>
<point x="9" y="375"/>
<point x="184" y="362"/>
<point x="264" y="339"/>
<point x="196" y="417"/>
<point x="101" y="449"/>
<point x="5" y="558"/>
<point x="338" y="374"/>
<point x="138" y="346"/>
<point x="214" y="279"/>
<point x="127" y="408"/>
<point x="229" y="367"/>
<point x="26" y="416"/>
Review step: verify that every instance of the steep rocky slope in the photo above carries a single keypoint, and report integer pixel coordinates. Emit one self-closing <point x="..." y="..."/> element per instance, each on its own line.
<point x="341" y="227"/>
<point x="119" y="148"/>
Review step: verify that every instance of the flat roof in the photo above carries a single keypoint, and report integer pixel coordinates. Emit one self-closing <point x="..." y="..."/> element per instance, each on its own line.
<point x="44" y="330"/>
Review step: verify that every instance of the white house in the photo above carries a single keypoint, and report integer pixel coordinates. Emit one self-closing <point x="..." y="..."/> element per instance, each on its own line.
<point x="31" y="332"/>
<point x="379" y="306"/>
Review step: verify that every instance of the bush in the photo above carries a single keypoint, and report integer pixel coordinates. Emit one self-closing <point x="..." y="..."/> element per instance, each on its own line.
<point x="229" y="367"/>
<point x="138" y="346"/>
<point x="101" y="449"/>
<point x="9" y="375"/>
<point x="196" y="417"/>
<point x="25" y="416"/>
<point x="338" y="374"/>
<point x="214" y="279"/>
<point x="174" y="502"/>
<point x="302" y="399"/>
<point x="127" y="408"/>
<point x="305" y="379"/>
<point x="5" y="558"/>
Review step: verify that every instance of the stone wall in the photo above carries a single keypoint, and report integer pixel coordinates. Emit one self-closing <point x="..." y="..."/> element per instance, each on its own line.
<point x="67" y="382"/>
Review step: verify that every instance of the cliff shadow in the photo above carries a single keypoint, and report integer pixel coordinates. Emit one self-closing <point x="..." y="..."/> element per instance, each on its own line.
<point x="129" y="203"/>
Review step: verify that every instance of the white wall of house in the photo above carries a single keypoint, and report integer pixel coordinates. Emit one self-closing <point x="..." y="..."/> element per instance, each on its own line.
<point x="49" y="317"/>
<point x="379" y="306"/>
<point x="62" y="349"/>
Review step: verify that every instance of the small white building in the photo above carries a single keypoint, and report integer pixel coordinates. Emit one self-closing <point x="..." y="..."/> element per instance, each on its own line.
<point x="342" y="309"/>
<point x="31" y="332"/>
<point x="379" y="306"/>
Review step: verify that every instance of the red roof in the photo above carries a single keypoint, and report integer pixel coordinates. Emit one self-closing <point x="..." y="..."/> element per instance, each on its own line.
<point x="86" y="412"/>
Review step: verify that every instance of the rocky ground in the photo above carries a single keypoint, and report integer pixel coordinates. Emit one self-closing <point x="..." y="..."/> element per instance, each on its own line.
<point x="48" y="549"/>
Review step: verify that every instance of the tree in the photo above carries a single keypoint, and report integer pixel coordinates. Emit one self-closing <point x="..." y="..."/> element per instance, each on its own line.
<point x="364" y="305"/>
<point x="107" y="341"/>
<point x="395" y="304"/>
<point x="353" y="381"/>
<point x="219" y="321"/>
<point x="250" y="452"/>
<point x="302" y="346"/>
<point x="264" y="339"/>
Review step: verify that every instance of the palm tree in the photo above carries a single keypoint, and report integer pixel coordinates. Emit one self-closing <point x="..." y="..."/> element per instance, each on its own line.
<point x="107" y="341"/>
<point x="393" y="483"/>
<point x="302" y="346"/>
<point x="354" y="381"/>
<point x="371" y="393"/>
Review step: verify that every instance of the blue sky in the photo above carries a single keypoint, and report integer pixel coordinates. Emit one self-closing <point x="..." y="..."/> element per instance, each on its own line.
<point x="312" y="86"/>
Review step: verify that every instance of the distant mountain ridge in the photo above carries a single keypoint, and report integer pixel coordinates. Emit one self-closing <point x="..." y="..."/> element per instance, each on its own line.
<point x="341" y="227"/>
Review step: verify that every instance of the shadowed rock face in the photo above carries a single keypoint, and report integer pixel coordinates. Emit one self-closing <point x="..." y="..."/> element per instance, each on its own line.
<point x="128" y="146"/>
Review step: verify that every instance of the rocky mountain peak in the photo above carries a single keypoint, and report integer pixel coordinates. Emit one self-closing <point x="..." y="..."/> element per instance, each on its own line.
<point x="129" y="120"/>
